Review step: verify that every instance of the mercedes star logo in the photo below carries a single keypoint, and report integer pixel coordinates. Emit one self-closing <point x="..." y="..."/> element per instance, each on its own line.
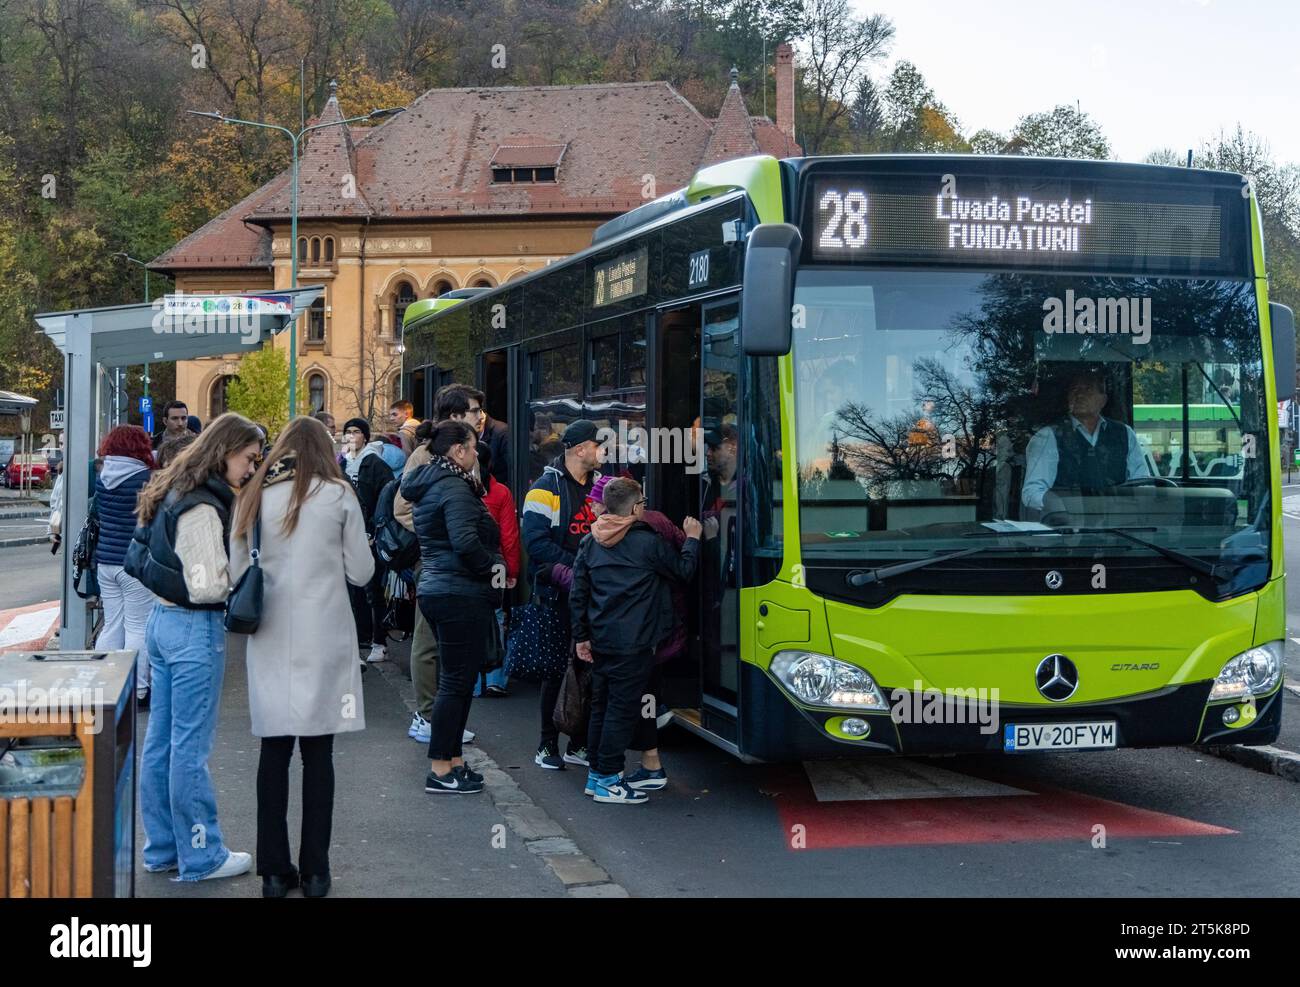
<point x="1055" y="580"/>
<point x="1057" y="678"/>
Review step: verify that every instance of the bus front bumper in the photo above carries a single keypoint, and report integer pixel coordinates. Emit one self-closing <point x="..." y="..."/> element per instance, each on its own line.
<point x="777" y="728"/>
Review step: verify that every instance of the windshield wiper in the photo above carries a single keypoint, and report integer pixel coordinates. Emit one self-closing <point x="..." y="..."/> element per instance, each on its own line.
<point x="1215" y="570"/>
<point x="865" y="577"/>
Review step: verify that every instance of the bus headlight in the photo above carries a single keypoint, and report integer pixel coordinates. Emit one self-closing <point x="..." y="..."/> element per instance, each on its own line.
<point x="820" y="680"/>
<point x="1251" y="673"/>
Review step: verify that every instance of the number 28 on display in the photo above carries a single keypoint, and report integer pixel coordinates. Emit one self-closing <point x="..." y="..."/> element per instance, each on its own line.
<point x="847" y="224"/>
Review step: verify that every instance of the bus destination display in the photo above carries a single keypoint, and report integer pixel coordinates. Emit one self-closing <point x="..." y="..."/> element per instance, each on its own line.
<point x="951" y="219"/>
<point x="623" y="277"/>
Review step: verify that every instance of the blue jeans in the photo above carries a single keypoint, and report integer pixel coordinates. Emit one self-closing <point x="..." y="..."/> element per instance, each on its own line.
<point x="187" y="655"/>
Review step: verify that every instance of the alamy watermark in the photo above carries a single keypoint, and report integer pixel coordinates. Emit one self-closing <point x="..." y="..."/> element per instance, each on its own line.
<point x="58" y="704"/>
<point x="927" y="705"/>
<point x="226" y="315"/>
<point x="1098" y="316"/>
<point x="637" y="445"/>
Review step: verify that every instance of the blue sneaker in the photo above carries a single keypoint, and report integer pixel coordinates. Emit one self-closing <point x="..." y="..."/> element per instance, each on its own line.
<point x="592" y="778"/>
<point x="645" y="780"/>
<point x="610" y="788"/>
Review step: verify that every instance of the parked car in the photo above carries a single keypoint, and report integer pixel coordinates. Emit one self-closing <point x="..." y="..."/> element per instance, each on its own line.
<point x="32" y="467"/>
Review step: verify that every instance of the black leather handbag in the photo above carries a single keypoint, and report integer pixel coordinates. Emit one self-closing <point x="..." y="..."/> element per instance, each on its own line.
<point x="244" y="606"/>
<point x="85" y="579"/>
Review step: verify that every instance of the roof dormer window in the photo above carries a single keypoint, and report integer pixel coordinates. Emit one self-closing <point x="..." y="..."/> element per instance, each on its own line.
<point x="518" y="164"/>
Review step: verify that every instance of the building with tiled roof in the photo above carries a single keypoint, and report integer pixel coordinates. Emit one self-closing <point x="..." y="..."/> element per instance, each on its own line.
<point x="467" y="187"/>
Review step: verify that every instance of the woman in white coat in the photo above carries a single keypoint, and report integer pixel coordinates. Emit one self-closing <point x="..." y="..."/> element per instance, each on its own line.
<point x="304" y="681"/>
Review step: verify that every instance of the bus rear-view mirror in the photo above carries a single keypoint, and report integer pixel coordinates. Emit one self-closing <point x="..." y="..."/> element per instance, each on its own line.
<point x="1283" y="320"/>
<point x="770" y="262"/>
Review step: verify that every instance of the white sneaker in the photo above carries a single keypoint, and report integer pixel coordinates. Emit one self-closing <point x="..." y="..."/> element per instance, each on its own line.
<point x="467" y="737"/>
<point x="237" y="863"/>
<point x="419" y="729"/>
<point x="377" y="653"/>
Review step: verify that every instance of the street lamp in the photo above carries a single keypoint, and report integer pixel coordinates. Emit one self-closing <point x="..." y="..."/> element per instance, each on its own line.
<point x="125" y="256"/>
<point x="293" y="207"/>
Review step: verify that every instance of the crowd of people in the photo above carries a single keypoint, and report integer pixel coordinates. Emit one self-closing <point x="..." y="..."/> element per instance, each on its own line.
<point x="412" y="531"/>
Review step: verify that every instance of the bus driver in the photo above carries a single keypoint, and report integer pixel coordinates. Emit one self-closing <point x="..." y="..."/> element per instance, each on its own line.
<point x="1084" y="452"/>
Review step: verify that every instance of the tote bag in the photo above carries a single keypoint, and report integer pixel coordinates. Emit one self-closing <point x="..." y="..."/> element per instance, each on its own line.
<point x="538" y="646"/>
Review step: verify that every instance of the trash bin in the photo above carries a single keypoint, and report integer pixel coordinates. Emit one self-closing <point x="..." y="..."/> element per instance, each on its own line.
<point x="67" y="774"/>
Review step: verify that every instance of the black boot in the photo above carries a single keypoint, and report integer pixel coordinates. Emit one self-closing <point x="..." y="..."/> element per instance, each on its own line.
<point x="315" y="885"/>
<point x="279" y="885"/>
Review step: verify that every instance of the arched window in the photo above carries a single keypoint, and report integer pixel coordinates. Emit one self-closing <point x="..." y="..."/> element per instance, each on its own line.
<point x="302" y="249"/>
<point x="405" y="296"/>
<point x="316" y="391"/>
<point x="217" y="396"/>
<point x="329" y="250"/>
<point x="441" y="288"/>
<point x="315" y="249"/>
<point x="316" y="321"/>
<point x="482" y="283"/>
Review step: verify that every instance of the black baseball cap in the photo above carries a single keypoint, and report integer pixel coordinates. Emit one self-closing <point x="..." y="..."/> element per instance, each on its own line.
<point x="578" y="432"/>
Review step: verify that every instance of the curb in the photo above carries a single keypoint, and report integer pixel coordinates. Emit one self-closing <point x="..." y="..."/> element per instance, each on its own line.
<point x="19" y="542"/>
<point x="1270" y="760"/>
<point x="581" y="876"/>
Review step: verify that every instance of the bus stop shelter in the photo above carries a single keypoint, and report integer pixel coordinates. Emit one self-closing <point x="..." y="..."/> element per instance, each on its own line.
<point x="94" y="340"/>
<point x="15" y="404"/>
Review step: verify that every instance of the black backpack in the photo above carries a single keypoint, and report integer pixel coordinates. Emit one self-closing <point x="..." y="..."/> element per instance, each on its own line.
<point x="394" y="543"/>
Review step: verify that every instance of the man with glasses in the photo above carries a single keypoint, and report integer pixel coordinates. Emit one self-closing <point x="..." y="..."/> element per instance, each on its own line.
<point x="463" y="403"/>
<point x="175" y="422"/>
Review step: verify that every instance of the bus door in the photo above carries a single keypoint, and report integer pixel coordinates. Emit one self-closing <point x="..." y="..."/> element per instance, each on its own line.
<point x="673" y="487"/>
<point x="718" y="504"/>
<point x="699" y="361"/>
<point x="499" y="379"/>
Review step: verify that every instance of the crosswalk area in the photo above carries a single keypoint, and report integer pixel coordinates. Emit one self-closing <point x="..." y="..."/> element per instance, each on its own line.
<point x="902" y="802"/>
<point x="29" y="628"/>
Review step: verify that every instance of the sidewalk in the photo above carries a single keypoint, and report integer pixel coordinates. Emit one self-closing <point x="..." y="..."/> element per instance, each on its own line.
<point x="390" y="839"/>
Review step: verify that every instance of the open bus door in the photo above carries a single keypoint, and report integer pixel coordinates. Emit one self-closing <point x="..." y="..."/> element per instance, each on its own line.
<point x="704" y="337"/>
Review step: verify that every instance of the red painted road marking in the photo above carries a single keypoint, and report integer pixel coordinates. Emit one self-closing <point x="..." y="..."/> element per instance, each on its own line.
<point x="29" y="628"/>
<point x="1047" y="814"/>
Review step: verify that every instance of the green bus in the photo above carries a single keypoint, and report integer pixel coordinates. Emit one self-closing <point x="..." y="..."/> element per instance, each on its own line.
<point x="939" y="408"/>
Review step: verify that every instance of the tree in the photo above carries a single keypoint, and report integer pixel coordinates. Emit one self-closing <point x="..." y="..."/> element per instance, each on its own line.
<point x="1064" y="132"/>
<point x="867" y="115"/>
<point x="374" y="378"/>
<point x="840" y="47"/>
<point x="988" y="142"/>
<point x="261" y="391"/>
<point x="916" y="120"/>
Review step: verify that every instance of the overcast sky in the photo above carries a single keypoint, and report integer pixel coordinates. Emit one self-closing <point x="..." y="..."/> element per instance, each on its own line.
<point x="1152" y="73"/>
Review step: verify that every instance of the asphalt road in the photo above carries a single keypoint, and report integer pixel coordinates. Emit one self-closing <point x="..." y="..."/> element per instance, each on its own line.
<point x="28" y="574"/>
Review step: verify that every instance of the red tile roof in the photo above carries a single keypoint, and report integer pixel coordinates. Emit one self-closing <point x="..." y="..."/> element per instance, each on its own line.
<point x="733" y="134"/>
<point x="435" y="161"/>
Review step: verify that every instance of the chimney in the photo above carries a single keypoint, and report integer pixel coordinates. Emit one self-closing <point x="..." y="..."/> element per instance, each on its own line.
<point x="785" y="89"/>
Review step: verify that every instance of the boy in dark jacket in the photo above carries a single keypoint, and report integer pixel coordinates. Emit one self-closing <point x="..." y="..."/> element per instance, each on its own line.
<point x="621" y="609"/>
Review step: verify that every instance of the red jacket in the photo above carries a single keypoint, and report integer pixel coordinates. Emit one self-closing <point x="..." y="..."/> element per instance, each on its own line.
<point x="502" y="508"/>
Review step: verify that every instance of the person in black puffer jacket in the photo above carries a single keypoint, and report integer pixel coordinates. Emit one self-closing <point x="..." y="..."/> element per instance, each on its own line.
<point x="462" y="574"/>
<point x="128" y="464"/>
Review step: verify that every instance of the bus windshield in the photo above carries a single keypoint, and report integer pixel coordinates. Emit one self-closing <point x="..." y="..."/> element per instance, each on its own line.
<point x="939" y="409"/>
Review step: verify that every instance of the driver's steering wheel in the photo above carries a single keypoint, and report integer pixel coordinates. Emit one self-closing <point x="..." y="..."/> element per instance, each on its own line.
<point x="1152" y="481"/>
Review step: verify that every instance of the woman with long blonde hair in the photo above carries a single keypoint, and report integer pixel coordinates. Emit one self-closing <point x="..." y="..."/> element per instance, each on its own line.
<point x="179" y="552"/>
<point x="304" y="681"/>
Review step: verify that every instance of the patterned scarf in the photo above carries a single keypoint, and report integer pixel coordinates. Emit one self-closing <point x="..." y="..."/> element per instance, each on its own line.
<point x="470" y="478"/>
<point x="282" y="469"/>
